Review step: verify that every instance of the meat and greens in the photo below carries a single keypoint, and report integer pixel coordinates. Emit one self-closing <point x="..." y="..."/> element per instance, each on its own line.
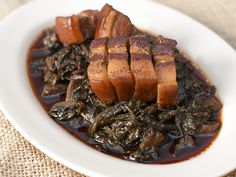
<point x="121" y="90"/>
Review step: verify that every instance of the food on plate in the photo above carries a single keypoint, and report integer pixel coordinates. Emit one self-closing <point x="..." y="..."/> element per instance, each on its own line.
<point x="97" y="71"/>
<point x="164" y="59"/>
<point x="112" y="23"/>
<point x="121" y="90"/>
<point x="76" y="28"/>
<point x="142" y="69"/>
<point x="118" y="68"/>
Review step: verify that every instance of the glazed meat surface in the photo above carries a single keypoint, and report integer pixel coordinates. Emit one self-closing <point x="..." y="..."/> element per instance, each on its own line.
<point x="97" y="71"/>
<point x="118" y="68"/>
<point x="167" y="86"/>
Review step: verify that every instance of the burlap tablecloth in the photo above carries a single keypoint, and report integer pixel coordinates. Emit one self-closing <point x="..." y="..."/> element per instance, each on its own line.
<point x="18" y="158"/>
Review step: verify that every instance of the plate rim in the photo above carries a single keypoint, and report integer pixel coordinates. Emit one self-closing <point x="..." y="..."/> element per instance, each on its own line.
<point x="27" y="135"/>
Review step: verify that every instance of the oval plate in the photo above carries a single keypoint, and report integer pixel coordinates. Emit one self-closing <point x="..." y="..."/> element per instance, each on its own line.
<point x="216" y="58"/>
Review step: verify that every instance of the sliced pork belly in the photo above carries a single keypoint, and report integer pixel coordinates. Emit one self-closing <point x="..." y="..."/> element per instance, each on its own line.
<point x="167" y="41"/>
<point x="76" y="28"/>
<point x="142" y="69"/>
<point x="112" y="23"/>
<point x="99" y="46"/>
<point x="167" y="87"/>
<point x="118" y="68"/>
<point x="67" y="29"/>
<point x="139" y="45"/>
<point x="118" y="45"/>
<point x="122" y="26"/>
<point x="92" y="15"/>
<point x="97" y="72"/>
<point x="167" y="94"/>
<point x="106" y="19"/>
<point x="165" y="69"/>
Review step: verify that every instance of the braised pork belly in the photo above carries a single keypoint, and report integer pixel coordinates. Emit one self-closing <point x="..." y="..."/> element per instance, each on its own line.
<point x="112" y="23"/>
<point x="118" y="68"/>
<point x="142" y="69"/>
<point x="97" y="71"/>
<point x="140" y="78"/>
<point x="167" y="86"/>
<point x="76" y="28"/>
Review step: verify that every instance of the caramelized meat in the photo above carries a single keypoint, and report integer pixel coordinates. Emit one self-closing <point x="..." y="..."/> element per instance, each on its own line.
<point x="167" y="87"/>
<point x="107" y="25"/>
<point x="122" y="26"/>
<point x="167" y="94"/>
<point x="97" y="72"/>
<point x="118" y="45"/>
<point x="165" y="68"/>
<point x="92" y="15"/>
<point x="99" y="47"/>
<point x="104" y="13"/>
<point x="76" y="29"/>
<point x="112" y="23"/>
<point x="142" y="69"/>
<point x="118" y="68"/>
<point x="67" y="29"/>
<point x="149" y="82"/>
<point x="167" y="41"/>
<point x="88" y="23"/>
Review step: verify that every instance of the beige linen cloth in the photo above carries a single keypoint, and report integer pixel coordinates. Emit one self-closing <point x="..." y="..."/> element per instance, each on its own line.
<point x="18" y="158"/>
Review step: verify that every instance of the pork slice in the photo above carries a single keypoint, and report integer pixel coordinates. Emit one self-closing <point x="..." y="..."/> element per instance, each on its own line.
<point x="97" y="72"/>
<point x="92" y="15"/>
<point x="98" y="80"/>
<point x="142" y="69"/>
<point x="118" y="45"/>
<point x="106" y="9"/>
<point x="139" y="44"/>
<point x="102" y="28"/>
<point x="167" y="94"/>
<point x="167" y="86"/>
<point x="118" y="68"/>
<point x="77" y="28"/>
<point x="165" y="69"/>
<point x="122" y="26"/>
<point x="99" y="46"/>
<point x="106" y="25"/>
<point x="144" y="77"/>
<point x="112" y="23"/>
<point x="162" y="40"/>
<point x="86" y="27"/>
<point x="67" y="29"/>
<point x="91" y="18"/>
<point x="120" y="76"/>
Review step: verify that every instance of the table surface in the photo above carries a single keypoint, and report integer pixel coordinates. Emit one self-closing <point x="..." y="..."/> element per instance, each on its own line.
<point x="19" y="158"/>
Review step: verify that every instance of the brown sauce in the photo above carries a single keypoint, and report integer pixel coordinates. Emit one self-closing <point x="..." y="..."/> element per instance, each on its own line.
<point x="166" y="157"/>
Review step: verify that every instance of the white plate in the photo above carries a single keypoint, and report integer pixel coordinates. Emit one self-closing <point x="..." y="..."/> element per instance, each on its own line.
<point x="20" y="106"/>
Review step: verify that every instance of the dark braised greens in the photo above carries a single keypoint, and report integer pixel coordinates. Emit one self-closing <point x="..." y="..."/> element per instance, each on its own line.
<point x="135" y="131"/>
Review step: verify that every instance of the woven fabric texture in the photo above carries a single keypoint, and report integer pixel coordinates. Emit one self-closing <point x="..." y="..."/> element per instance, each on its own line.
<point x="18" y="158"/>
